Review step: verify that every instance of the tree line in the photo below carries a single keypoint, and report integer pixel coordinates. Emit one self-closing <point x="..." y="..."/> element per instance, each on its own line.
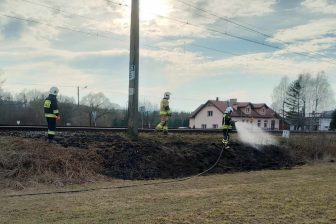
<point x="303" y="98"/>
<point x="95" y="109"/>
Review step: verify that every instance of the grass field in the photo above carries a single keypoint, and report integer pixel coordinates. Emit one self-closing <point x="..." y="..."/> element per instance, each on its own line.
<point x="305" y="194"/>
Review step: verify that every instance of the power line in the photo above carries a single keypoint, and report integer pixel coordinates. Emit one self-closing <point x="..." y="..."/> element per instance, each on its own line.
<point x="54" y="8"/>
<point x="62" y="27"/>
<point x="239" y="37"/>
<point x="247" y="28"/>
<point x="188" y="23"/>
<point x="66" y="12"/>
<point x="242" y="38"/>
<point x="118" y="3"/>
<point x="103" y="36"/>
<point x="70" y="14"/>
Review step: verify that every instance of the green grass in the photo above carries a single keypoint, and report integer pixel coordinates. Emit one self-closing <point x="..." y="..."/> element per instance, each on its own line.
<point x="305" y="194"/>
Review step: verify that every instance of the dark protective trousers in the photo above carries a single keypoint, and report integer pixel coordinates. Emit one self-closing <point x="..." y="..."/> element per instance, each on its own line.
<point x="51" y="127"/>
<point x="226" y="135"/>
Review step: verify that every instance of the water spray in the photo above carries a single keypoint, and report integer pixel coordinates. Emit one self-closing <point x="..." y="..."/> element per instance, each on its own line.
<point x="253" y="135"/>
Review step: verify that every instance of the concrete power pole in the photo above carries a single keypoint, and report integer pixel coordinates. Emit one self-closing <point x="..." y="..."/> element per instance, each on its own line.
<point x="133" y="90"/>
<point x="78" y="96"/>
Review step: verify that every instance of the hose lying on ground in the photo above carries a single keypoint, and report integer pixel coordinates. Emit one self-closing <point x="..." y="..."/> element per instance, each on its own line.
<point x="126" y="186"/>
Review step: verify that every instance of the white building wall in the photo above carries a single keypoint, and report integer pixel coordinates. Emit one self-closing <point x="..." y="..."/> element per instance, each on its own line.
<point x="268" y="123"/>
<point x="203" y="118"/>
<point x="216" y="119"/>
<point x="191" y="122"/>
<point x="324" y="124"/>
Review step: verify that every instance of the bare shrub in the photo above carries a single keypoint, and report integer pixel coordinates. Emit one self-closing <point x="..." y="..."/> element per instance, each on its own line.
<point x="320" y="147"/>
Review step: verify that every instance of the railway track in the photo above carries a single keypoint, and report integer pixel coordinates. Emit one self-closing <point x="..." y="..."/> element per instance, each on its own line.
<point x="144" y="130"/>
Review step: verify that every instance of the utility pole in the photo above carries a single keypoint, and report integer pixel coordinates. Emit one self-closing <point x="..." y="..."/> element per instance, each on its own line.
<point x="133" y="90"/>
<point x="142" y="111"/>
<point x="78" y="94"/>
<point x="283" y="115"/>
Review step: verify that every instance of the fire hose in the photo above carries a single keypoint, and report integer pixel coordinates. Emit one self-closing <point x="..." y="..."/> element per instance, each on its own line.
<point x="130" y="185"/>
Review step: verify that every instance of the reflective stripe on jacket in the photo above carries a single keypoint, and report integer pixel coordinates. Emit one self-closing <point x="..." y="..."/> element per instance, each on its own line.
<point x="50" y="115"/>
<point x="51" y="107"/>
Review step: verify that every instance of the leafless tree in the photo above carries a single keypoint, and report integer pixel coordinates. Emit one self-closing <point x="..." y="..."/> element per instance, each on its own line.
<point x="150" y="114"/>
<point x="316" y="93"/>
<point x="1" y="83"/>
<point x="279" y="95"/>
<point x="322" y="93"/>
<point x="98" y="105"/>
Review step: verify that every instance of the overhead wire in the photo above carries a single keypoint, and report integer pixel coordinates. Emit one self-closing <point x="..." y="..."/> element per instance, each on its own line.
<point x="246" y="27"/>
<point x="62" y="27"/>
<point x="107" y="37"/>
<point x="147" y="45"/>
<point x="188" y="23"/>
<point x="56" y="9"/>
<point x="65" y="12"/>
<point x="176" y="20"/>
<point x="240" y="37"/>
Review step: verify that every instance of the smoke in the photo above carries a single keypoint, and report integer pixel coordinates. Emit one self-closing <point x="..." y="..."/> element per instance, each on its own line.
<point x="253" y="135"/>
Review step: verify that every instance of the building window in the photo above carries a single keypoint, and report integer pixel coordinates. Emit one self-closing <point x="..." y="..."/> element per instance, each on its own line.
<point x="247" y="110"/>
<point x="259" y="123"/>
<point x="265" y="123"/>
<point x="215" y="126"/>
<point x="210" y="113"/>
<point x="263" y="111"/>
<point x="203" y="126"/>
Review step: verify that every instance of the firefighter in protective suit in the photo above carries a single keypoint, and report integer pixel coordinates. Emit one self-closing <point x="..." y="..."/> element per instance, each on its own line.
<point x="165" y="113"/>
<point x="51" y="113"/>
<point x="227" y="123"/>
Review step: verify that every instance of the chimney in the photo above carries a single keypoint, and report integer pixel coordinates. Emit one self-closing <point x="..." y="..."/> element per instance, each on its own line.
<point x="217" y="98"/>
<point x="232" y="102"/>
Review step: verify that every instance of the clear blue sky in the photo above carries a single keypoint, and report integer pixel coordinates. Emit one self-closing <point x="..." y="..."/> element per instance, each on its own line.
<point x="38" y="55"/>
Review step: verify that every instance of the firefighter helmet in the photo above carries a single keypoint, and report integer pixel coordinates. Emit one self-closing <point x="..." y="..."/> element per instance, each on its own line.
<point x="54" y="91"/>
<point x="229" y="110"/>
<point x="166" y="95"/>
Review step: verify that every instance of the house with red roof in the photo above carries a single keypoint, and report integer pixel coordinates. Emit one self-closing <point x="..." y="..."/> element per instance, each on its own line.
<point x="210" y="114"/>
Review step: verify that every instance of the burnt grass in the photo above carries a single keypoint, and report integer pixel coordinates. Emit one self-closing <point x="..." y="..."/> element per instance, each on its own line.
<point x="154" y="156"/>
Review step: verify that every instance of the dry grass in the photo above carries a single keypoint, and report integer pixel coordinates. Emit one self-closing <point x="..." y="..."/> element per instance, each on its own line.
<point x="302" y="195"/>
<point x="313" y="147"/>
<point x="24" y="161"/>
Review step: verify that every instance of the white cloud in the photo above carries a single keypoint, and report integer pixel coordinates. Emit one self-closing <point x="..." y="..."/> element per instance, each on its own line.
<point x="162" y="27"/>
<point x="320" y="6"/>
<point x="177" y="65"/>
<point x="233" y="8"/>
<point x="309" y="31"/>
<point x="182" y="67"/>
<point x="309" y="47"/>
<point x="49" y="72"/>
<point x="21" y="54"/>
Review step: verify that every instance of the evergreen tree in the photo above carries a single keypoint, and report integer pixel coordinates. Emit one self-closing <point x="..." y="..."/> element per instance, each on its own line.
<point x="295" y="104"/>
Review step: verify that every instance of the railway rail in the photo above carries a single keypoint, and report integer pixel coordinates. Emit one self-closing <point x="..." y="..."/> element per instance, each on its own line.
<point x="144" y="130"/>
